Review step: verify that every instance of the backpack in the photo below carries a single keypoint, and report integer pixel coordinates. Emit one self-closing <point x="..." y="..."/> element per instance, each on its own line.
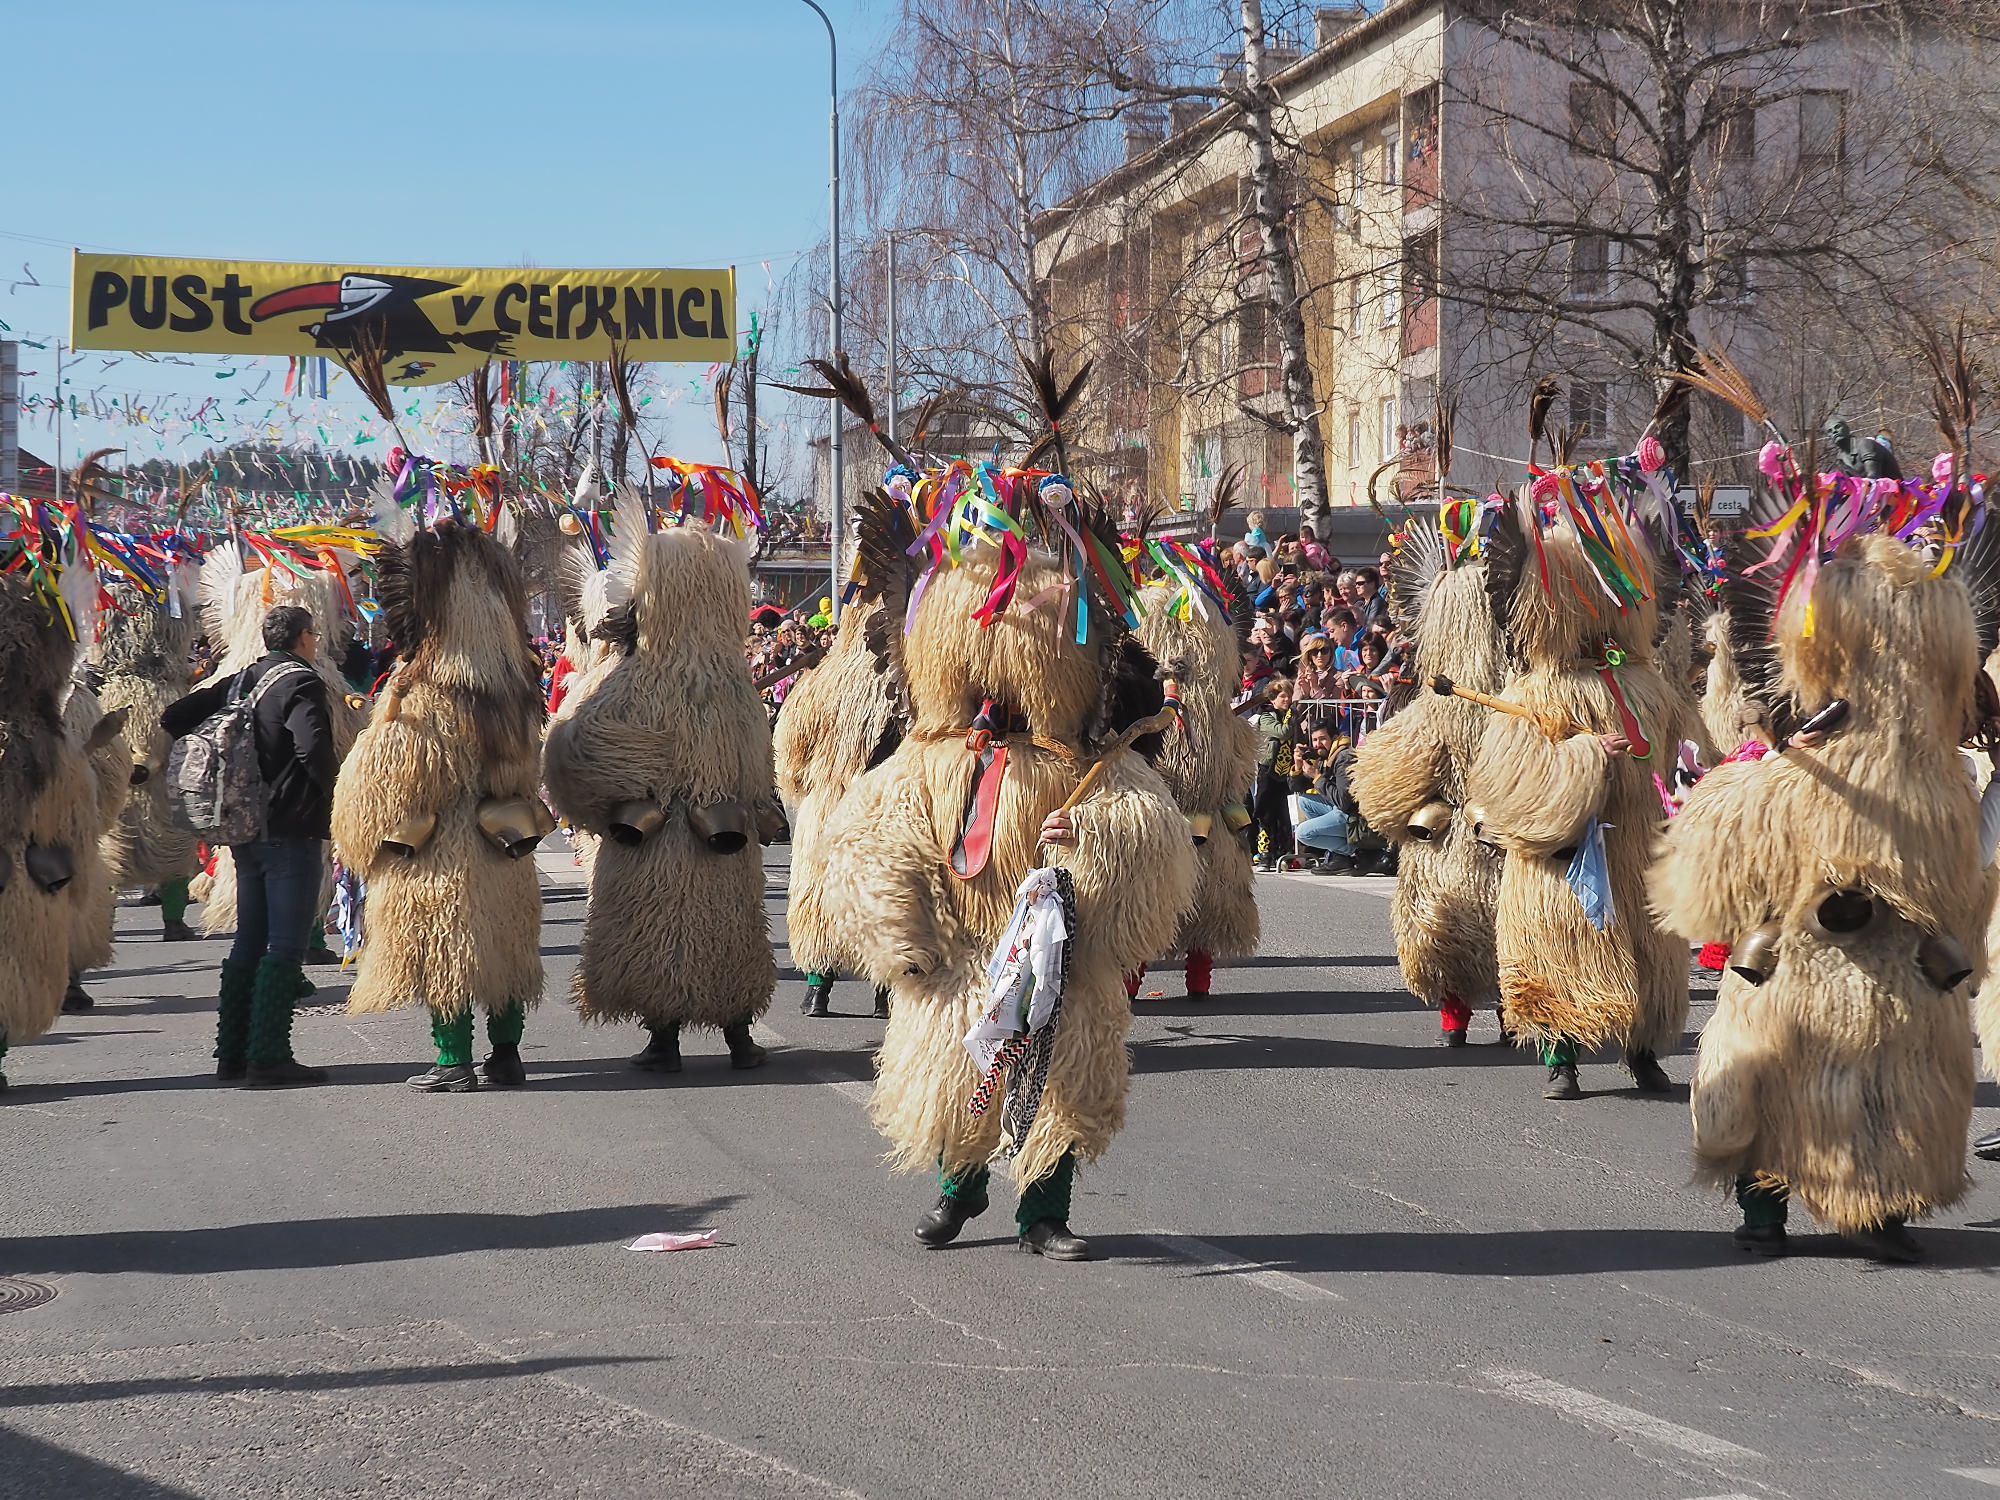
<point x="217" y="786"/>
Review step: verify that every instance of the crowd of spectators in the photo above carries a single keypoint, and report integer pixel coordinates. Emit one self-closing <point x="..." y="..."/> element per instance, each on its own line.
<point x="1323" y="665"/>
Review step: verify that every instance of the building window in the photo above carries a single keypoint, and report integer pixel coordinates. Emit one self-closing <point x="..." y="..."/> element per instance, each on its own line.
<point x="1392" y="295"/>
<point x="1356" y="296"/>
<point x="1353" y="437"/>
<point x="1392" y="158"/>
<point x="1420" y="269"/>
<point x="1392" y="442"/>
<point x="1736" y="134"/>
<point x="1590" y="266"/>
<point x="1590" y="410"/>
<point x="1822" y="128"/>
<point x="1593" y="120"/>
<point x="1357" y="179"/>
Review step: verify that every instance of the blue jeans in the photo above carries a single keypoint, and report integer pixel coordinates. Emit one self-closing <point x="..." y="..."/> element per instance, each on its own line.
<point x="1324" y="825"/>
<point x="277" y="894"/>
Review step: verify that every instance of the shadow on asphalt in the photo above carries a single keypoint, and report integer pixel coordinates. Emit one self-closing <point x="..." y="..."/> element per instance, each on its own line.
<point x="69" y="1393"/>
<point x="1186" y="1050"/>
<point x="1546" y="1252"/>
<point x="1276" y="1003"/>
<point x="303" y="1244"/>
<point x="29" y="1466"/>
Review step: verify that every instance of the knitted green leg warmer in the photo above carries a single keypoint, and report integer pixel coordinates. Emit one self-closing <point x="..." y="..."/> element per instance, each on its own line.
<point x="1555" y="1054"/>
<point x="232" y="1011"/>
<point x="969" y="1182"/>
<point x="504" y="1027"/>
<point x="1762" y="1206"/>
<point x="276" y="988"/>
<point x="1047" y="1197"/>
<point x="453" y="1035"/>
<point x="173" y="900"/>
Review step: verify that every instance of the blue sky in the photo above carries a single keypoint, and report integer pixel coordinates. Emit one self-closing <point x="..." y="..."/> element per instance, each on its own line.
<point x="432" y="132"/>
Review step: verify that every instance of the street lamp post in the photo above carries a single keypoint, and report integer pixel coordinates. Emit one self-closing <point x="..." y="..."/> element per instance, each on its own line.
<point x="836" y="519"/>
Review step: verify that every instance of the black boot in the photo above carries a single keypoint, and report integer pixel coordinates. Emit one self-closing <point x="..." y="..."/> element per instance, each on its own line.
<point x="941" y="1225"/>
<point x="881" y="1002"/>
<point x="818" y="992"/>
<point x="1647" y="1073"/>
<point x="1562" y="1082"/>
<point x="1762" y="1239"/>
<point x="321" y="955"/>
<point x="76" y="998"/>
<point x="1889" y="1240"/>
<point x="1987" y="1147"/>
<point x="177" y="931"/>
<point x="743" y="1053"/>
<point x="663" y="1051"/>
<point x="446" y="1078"/>
<point x="1051" y="1239"/>
<point x="504" y="1068"/>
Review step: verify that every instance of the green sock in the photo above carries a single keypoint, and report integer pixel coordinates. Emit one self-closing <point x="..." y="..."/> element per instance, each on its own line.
<point x="316" y="934"/>
<point x="1762" y="1206"/>
<point x="504" y="1027"/>
<point x="966" y="1182"/>
<point x="173" y="900"/>
<point x="232" y="1011"/>
<point x="453" y="1035"/>
<point x="813" y="981"/>
<point x="1047" y="1197"/>
<point x="1559" y="1053"/>
<point x="272" y="996"/>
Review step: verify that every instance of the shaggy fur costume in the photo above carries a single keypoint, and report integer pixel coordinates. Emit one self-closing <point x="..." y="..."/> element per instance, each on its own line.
<point x="835" y="723"/>
<point x="144" y="654"/>
<point x="95" y="896"/>
<point x="928" y="935"/>
<point x="1534" y="788"/>
<point x="1847" y="1076"/>
<point x="50" y="794"/>
<point x="234" y="604"/>
<point x="1442" y="912"/>
<point x="674" y="931"/>
<point x="1208" y="760"/>
<point x="1687" y="681"/>
<point x="459" y="923"/>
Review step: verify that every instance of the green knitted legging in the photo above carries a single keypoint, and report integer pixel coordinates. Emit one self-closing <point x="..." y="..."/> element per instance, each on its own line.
<point x="1047" y="1197"/>
<point x="453" y="1034"/>
<point x="1762" y="1206"/>
<point x="173" y="900"/>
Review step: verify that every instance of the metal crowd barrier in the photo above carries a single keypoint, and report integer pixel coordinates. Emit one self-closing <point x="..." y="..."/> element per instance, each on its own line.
<point x="1356" y="718"/>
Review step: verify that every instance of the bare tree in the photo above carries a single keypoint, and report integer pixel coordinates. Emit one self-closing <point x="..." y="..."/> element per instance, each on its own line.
<point x="1626" y="178"/>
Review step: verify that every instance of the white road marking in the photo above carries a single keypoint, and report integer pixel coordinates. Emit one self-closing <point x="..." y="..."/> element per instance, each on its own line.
<point x="854" y="1088"/>
<point x="1528" y="1386"/>
<point x="1203" y="1253"/>
<point x="1979" y="1476"/>
<point x="1738" y="1495"/>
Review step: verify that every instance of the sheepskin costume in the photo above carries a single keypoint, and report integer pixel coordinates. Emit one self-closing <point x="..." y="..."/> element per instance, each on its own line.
<point x="1208" y="758"/>
<point x="929" y="933"/>
<point x="1844" y="1079"/>
<point x="234" y="604"/>
<point x="675" y="933"/>
<point x="144" y="653"/>
<point x="457" y="923"/>
<point x="836" y="722"/>
<point x="1410" y="775"/>
<point x="109" y="755"/>
<point x="58" y="793"/>
<point x="1541" y="786"/>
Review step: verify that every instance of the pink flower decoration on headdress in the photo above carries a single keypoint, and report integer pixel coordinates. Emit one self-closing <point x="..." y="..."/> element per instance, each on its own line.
<point x="1772" y="460"/>
<point x="1652" y="457"/>
<point x="1941" y="467"/>
<point x="1544" y="487"/>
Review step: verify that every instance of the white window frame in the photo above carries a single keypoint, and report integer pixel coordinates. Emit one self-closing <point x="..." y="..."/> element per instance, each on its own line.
<point x="1392" y="158"/>
<point x="1578" y="293"/>
<point x="1353" y="437"/>
<point x="1392" y="294"/>
<point x="1392" y="413"/>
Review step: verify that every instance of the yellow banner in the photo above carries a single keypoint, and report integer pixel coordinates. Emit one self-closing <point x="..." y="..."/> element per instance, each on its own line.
<point x="432" y="324"/>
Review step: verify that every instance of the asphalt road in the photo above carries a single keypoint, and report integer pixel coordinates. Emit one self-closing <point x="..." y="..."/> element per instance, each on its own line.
<point x="1336" y="1260"/>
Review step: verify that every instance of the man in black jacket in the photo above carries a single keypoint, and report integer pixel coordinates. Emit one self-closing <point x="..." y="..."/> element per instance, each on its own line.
<point x="277" y="876"/>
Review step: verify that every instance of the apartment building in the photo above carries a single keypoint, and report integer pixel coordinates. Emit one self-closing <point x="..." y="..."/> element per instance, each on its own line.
<point x="1464" y="222"/>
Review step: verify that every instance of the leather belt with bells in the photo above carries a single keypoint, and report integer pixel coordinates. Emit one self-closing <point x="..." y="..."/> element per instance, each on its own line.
<point x="974" y="846"/>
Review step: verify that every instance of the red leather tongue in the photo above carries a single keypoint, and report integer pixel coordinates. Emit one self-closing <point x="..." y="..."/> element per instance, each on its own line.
<point x="975" y="839"/>
<point x="1628" y="722"/>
